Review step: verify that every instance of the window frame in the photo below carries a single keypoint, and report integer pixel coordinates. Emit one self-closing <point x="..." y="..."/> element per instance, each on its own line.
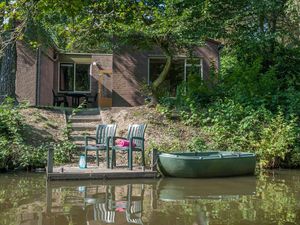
<point x="200" y="65"/>
<point x="74" y="76"/>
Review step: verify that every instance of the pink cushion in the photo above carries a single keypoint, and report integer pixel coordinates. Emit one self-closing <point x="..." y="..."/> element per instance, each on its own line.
<point x="123" y="143"/>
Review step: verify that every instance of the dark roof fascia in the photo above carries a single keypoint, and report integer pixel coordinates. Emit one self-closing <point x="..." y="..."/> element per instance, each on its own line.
<point x="84" y="54"/>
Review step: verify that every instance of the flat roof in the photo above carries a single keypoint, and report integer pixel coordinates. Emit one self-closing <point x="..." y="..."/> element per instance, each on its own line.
<point x="83" y="54"/>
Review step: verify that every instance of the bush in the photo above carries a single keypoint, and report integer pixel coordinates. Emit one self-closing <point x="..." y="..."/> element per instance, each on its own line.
<point x="232" y="126"/>
<point x="15" y="149"/>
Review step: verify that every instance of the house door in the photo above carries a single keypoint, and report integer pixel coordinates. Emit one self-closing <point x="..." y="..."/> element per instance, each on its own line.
<point x="105" y="88"/>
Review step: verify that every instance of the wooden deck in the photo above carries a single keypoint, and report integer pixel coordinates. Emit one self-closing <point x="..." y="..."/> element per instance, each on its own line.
<point x="75" y="173"/>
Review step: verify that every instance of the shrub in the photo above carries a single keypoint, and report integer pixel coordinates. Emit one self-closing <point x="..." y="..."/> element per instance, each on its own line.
<point x="232" y="126"/>
<point x="15" y="149"/>
<point x="278" y="138"/>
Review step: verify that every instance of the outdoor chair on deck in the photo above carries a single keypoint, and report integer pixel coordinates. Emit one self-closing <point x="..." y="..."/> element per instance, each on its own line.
<point x="58" y="99"/>
<point x="103" y="140"/>
<point x="135" y="137"/>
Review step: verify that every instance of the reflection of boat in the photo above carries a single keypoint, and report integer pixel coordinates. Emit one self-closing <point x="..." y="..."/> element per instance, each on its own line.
<point x="172" y="189"/>
<point x="207" y="164"/>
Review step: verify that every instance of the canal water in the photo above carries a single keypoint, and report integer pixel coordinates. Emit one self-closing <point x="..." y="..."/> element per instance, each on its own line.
<point x="267" y="199"/>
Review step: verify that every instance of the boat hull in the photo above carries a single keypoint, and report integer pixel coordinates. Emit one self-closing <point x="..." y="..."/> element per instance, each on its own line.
<point x="207" y="164"/>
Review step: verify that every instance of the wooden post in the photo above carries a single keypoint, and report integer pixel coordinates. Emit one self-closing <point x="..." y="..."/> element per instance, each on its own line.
<point x="50" y="160"/>
<point x="154" y="159"/>
<point x="154" y="196"/>
<point x="48" y="198"/>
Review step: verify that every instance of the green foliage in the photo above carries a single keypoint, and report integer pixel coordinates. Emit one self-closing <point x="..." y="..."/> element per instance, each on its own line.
<point x="16" y="151"/>
<point x="197" y="144"/>
<point x="232" y="126"/>
<point x="64" y="152"/>
<point x="247" y="84"/>
<point x="10" y="120"/>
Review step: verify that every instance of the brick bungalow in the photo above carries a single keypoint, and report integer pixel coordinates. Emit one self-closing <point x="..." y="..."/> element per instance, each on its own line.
<point x="114" y="79"/>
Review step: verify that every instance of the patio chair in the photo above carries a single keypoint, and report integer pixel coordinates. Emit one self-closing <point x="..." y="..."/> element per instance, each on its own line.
<point x="58" y="99"/>
<point x="135" y="136"/>
<point x="103" y="141"/>
<point x="91" y="99"/>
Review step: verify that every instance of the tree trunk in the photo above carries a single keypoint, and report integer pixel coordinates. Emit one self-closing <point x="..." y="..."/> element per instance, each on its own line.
<point x="8" y="66"/>
<point x="162" y="76"/>
<point x="8" y="70"/>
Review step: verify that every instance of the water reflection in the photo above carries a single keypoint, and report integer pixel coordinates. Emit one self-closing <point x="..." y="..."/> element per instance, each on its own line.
<point x="115" y="202"/>
<point x="171" y="189"/>
<point x="105" y="203"/>
<point x="267" y="199"/>
<point x="120" y="202"/>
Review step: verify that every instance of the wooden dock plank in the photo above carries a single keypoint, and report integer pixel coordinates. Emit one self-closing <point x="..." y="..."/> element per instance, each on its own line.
<point x="75" y="173"/>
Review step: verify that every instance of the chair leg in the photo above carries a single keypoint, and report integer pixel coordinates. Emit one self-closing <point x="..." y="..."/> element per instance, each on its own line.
<point x="143" y="158"/>
<point x="107" y="157"/>
<point x="130" y="159"/>
<point x="85" y="158"/>
<point x="112" y="158"/>
<point x="97" y="157"/>
<point x="115" y="158"/>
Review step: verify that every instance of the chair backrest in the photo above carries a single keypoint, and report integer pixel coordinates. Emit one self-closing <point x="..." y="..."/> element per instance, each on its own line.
<point x="137" y="130"/>
<point x="104" y="131"/>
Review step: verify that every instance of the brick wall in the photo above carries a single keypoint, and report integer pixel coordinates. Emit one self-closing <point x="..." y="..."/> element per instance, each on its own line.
<point x="26" y="74"/>
<point x="47" y="68"/>
<point x="130" y="71"/>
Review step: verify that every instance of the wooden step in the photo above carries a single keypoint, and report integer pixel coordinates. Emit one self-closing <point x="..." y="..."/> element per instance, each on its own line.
<point x="89" y="111"/>
<point x="83" y="127"/>
<point x="78" y="137"/>
<point x="83" y="133"/>
<point x="87" y="119"/>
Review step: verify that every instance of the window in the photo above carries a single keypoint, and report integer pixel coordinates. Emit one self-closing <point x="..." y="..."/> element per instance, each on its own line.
<point x="74" y="77"/>
<point x="66" y="80"/>
<point x="180" y="70"/>
<point x="193" y="67"/>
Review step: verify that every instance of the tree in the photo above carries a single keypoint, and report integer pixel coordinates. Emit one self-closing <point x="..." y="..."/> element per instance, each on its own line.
<point x="13" y="20"/>
<point x="173" y="26"/>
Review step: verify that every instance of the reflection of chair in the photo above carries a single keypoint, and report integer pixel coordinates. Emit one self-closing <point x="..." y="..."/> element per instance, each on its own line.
<point x="103" y="131"/>
<point x="58" y="99"/>
<point x="135" y="136"/>
<point x="102" y="205"/>
<point x="134" y="206"/>
<point x="102" y="213"/>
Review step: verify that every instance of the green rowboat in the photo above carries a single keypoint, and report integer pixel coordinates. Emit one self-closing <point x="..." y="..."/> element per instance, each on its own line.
<point x="207" y="164"/>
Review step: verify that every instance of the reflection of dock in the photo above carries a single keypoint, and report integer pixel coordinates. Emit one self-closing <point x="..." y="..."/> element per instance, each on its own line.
<point x="137" y="201"/>
<point x="98" y="202"/>
<point x="75" y="173"/>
